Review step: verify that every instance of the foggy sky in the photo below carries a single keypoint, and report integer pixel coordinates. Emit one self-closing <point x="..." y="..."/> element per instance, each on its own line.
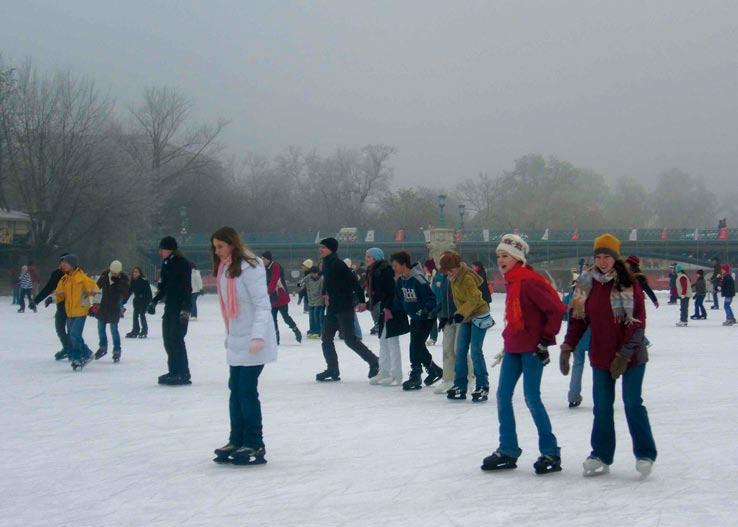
<point x="620" y="87"/>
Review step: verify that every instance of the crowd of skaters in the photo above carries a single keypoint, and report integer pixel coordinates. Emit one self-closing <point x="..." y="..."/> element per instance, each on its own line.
<point x="604" y="308"/>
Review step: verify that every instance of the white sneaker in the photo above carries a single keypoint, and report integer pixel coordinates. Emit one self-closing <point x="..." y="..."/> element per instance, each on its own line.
<point x="378" y="378"/>
<point x="391" y="381"/>
<point x="644" y="466"/>
<point x="593" y="466"/>
<point x="443" y="387"/>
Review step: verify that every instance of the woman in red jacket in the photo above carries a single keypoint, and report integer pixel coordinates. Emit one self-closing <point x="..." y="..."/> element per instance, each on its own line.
<point x="533" y="314"/>
<point x="610" y="302"/>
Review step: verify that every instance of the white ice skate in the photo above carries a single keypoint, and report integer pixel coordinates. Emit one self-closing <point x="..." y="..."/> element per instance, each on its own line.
<point x="379" y="377"/>
<point x="391" y="381"/>
<point x="644" y="466"/>
<point x="443" y="387"/>
<point x="593" y="466"/>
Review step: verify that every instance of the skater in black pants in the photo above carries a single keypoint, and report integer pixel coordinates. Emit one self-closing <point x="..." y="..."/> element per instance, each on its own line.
<point x="176" y="287"/>
<point x="141" y="293"/>
<point x="413" y="294"/>
<point x="278" y="296"/>
<point x="340" y="288"/>
<point x="251" y="342"/>
<point x="60" y="317"/>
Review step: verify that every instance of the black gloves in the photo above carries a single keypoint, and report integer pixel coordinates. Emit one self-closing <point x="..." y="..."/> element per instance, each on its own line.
<point x="442" y="323"/>
<point x="458" y="318"/>
<point x="542" y="353"/>
<point x="48" y="302"/>
<point x="151" y="309"/>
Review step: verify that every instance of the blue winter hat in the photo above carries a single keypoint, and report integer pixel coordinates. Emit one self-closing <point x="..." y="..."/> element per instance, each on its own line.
<point x="679" y="268"/>
<point x="376" y="253"/>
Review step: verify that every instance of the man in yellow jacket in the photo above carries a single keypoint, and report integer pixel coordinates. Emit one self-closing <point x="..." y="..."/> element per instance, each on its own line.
<point x="80" y="294"/>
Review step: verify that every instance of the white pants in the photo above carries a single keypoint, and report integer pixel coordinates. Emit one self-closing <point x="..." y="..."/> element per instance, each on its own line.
<point x="449" y="355"/>
<point x="390" y="359"/>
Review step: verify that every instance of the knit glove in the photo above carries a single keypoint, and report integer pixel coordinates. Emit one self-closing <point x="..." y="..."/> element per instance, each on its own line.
<point x="542" y="353"/>
<point x="497" y="359"/>
<point x="151" y="309"/>
<point x="618" y="365"/>
<point x="458" y="318"/>
<point x="564" y="359"/>
<point x="442" y="323"/>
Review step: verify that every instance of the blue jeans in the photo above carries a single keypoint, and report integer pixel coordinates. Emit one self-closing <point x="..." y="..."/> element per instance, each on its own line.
<point x="577" y="370"/>
<point x="103" y="337"/>
<point x="699" y="306"/>
<point x="728" y="310"/>
<point x="531" y="367"/>
<point x="78" y="348"/>
<point x="603" y="430"/>
<point x="244" y="406"/>
<point x="193" y="308"/>
<point x="316" y="314"/>
<point x="470" y="335"/>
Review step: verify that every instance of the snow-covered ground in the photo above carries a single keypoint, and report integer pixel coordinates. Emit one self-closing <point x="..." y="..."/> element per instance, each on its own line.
<point x="108" y="446"/>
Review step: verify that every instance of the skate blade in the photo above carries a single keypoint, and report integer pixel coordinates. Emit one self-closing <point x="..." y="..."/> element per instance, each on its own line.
<point x="594" y="473"/>
<point x="223" y="460"/>
<point x="498" y="468"/>
<point x="248" y="462"/>
<point x="548" y="471"/>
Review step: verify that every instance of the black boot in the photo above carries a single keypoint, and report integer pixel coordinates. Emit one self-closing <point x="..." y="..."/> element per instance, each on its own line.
<point x="116" y="355"/>
<point x="61" y="355"/>
<point x="249" y="456"/>
<point x="328" y="376"/>
<point x="143" y="335"/>
<point x="177" y="380"/>
<point x="164" y="379"/>
<point x="499" y="461"/>
<point x="547" y="464"/>
<point x="223" y="454"/>
<point x="100" y="353"/>
<point x="298" y="335"/>
<point x="435" y="372"/>
<point x="132" y="335"/>
<point x="413" y="381"/>
<point x="373" y="369"/>
<point x="456" y="394"/>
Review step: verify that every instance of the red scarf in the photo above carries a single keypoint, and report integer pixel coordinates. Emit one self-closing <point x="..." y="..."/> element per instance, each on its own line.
<point x="513" y="283"/>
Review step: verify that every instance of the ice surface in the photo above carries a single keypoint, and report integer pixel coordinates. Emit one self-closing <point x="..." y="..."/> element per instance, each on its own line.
<point x="108" y="446"/>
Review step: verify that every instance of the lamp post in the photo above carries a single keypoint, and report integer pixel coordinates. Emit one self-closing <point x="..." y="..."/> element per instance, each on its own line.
<point x="441" y="205"/>
<point x="462" y="211"/>
<point x="184" y="222"/>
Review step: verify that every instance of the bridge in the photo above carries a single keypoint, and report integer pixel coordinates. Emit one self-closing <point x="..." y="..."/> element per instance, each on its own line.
<point x="691" y="246"/>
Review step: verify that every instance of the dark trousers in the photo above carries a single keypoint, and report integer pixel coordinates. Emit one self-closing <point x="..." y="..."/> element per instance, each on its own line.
<point x="434" y="331"/>
<point x="173" y="330"/>
<point x="420" y="330"/>
<point x="60" y="324"/>
<point x="139" y="320"/>
<point x="23" y="294"/>
<point x="683" y="309"/>
<point x="193" y="308"/>
<point x="715" y="303"/>
<point x="244" y="406"/>
<point x="699" y="306"/>
<point x="343" y="322"/>
<point x="284" y="311"/>
<point x="603" y="430"/>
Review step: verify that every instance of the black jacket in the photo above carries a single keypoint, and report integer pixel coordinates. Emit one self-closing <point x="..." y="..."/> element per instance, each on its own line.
<point x="114" y="292"/>
<point x="727" y="287"/>
<point x="50" y="286"/>
<point x="484" y="286"/>
<point x="141" y="292"/>
<point x="380" y="281"/>
<point x="341" y="285"/>
<point x="175" y="284"/>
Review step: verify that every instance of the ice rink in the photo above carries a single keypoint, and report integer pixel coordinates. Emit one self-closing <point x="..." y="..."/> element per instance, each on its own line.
<point x="109" y="447"/>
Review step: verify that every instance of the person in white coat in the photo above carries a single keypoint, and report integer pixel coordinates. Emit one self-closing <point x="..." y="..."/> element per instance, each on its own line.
<point x="251" y="342"/>
<point x="196" y="289"/>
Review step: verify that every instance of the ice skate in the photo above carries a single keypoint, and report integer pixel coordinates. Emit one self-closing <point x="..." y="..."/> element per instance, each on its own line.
<point x="593" y="466"/>
<point x="499" y="461"/>
<point x="116" y="355"/>
<point x="456" y="394"/>
<point x="378" y="378"/>
<point x="413" y="381"/>
<point x="223" y="454"/>
<point x="547" y="465"/>
<point x="480" y="395"/>
<point x="100" y="353"/>
<point x="391" y="381"/>
<point x="328" y="376"/>
<point x="443" y="388"/>
<point x="644" y="466"/>
<point x="249" y="456"/>
<point x="435" y="373"/>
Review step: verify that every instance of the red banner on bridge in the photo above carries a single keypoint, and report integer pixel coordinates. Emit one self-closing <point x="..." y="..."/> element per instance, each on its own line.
<point x="400" y="235"/>
<point x="723" y="234"/>
<point x="663" y="234"/>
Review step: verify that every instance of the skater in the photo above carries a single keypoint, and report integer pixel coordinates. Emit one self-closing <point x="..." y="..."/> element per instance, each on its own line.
<point x="307" y="265"/>
<point x="684" y="291"/>
<point x="473" y="319"/>
<point x="60" y="317"/>
<point x="609" y="301"/>
<point x="313" y="285"/>
<point x="700" y="290"/>
<point x="278" y="295"/>
<point x="633" y="264"/>
<point x="175" y="288"/>
<point x="141" y="292"/>
<point x="533" y="315"/>
<point x="430" y="271"/>
<point x="196" y="289"/>
<point x="414" y="295"/>
<point x="727" y="290"/>
<point x="25" y="284"/>
<point x="340" y="289"/>
<point x="251" y="342"/>
<point x="380" y="286"/>
<point x="114" y="285"/>
<point x="715" y="278"/>
<point x="574" y="395"/>
<point x="672" y="284"/>
<point x="78" y="292"/>
<point x="357" y="326"/>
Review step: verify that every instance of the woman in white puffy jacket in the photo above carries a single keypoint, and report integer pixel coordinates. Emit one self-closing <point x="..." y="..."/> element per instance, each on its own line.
<point x="251" y="342"/>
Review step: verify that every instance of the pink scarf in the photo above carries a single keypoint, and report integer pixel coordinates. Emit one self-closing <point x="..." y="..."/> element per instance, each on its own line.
<point x="229" y="310"/>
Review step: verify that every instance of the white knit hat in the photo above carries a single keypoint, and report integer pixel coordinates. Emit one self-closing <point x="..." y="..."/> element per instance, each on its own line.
<point x="347" y="261"/>
<point x="515" y="246"/>
<point x="308" y="263"/>
<point x="116" y="266"/>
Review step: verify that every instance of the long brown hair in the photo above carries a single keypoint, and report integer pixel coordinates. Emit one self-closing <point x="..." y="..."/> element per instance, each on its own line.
<point x="240" y="252"/>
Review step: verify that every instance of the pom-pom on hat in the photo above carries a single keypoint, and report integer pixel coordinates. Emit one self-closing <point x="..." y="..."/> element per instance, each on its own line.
<point x="515" y="246"/>
<point x="607" y="244"/>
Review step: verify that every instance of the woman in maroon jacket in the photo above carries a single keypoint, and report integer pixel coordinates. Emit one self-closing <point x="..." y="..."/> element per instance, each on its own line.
<point x="610" y="301"/>
<point x="533" y="314"/>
